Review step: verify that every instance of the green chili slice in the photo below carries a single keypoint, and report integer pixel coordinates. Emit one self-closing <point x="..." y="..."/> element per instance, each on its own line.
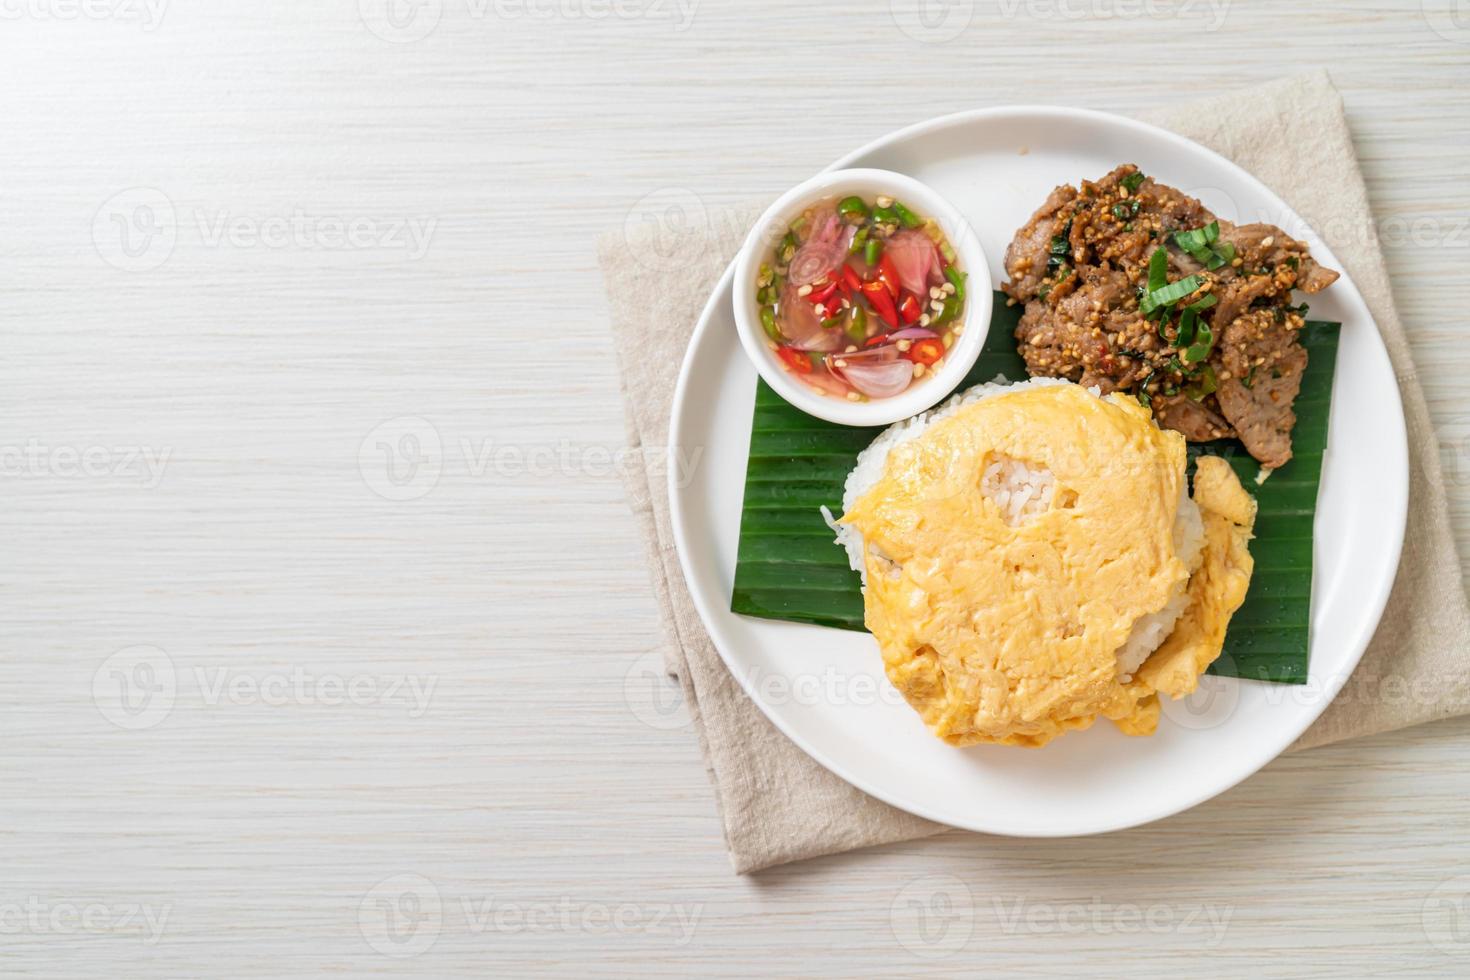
<point x="872" y="251"/>
<point x="957" y="278"/>
<point x="768" y="321"/>
<point x="909" y="219"/>
<point x="852" y="209"/>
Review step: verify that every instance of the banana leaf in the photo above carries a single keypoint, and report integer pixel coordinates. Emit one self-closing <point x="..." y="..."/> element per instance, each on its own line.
<point x="789" y="568"/>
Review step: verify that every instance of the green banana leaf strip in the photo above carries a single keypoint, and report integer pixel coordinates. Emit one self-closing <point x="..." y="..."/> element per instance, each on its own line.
<point x="789" y="568"/>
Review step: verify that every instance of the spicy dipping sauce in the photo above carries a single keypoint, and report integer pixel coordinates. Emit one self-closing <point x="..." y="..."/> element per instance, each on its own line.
<point x="861" y="298"/>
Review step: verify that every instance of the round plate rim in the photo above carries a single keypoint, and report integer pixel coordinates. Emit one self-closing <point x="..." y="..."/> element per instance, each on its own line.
<point x="1398" y="517"/>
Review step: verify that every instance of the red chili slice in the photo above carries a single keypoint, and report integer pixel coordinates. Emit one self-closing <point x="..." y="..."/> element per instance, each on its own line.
<point x="909" y="309"/>
<point x="926" y="352"/>
<point x="794" y="360"/>
<point x="876" y="293"/>
<point x="888" y="275"/>
<point x="822" y="294"/>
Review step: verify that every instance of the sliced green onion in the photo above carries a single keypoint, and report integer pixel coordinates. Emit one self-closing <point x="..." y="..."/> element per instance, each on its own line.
<point x="1143" y="395"/>
<point x="1172" y="293"/>
<point x="1188" y="323"/>
<point x="1133" y="181"/>
<point x="1059" y="248"/>
<point x="1158" y="270"/>
<point x="1203" y="344"/>
<point x="1200" y="243"/>
<point x="1208" y="384"/>
<point x="852" y="210"/>
<point x="909" y="219"/>
<point x="1200" y="306"/>
<point x="1199" y="238"/>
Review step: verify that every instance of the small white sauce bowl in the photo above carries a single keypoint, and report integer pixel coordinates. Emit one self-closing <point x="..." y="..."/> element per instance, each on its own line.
<point x="867" y="184"/>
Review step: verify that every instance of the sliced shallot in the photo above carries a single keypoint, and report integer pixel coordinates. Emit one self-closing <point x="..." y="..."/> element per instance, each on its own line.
<point x="825" y="341"/>
<point x="815" y="260"/>
<point x="912" y="333"/>
<point x="916" y="258"/>
<point x="798" y="319"/>
<point x="877" y="372"/>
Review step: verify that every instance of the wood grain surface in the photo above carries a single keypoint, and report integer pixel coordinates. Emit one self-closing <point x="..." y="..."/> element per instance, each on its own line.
<point x="325" y="620"/>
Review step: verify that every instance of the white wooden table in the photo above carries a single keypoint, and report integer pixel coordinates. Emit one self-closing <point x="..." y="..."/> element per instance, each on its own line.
<point x="278" y="704"/>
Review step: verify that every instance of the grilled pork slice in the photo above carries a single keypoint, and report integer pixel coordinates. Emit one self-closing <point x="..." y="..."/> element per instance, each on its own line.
<point x="1080" y="265"/>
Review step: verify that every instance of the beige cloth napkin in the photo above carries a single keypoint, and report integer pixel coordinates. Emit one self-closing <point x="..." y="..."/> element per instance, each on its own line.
<point x="778" y="805"/>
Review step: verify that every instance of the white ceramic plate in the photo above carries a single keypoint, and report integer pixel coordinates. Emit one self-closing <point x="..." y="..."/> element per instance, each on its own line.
<point x="825" y="688"/>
